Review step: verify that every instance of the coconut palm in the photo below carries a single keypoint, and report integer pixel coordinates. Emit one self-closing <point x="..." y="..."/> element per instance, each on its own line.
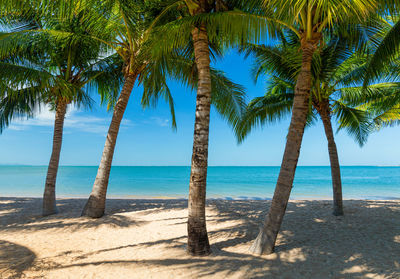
<point x="336" y="77"/>
<point x="308" y="20"/>
<point x="198" y="243"/>
<point x="56" y="66"/>
<point x="128" y="32"/>
<point x="136" y="40"/>
<point x="206" y="24"/>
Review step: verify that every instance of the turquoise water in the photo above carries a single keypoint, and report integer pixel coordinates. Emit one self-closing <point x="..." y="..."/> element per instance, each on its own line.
<point x="223" y="182"/>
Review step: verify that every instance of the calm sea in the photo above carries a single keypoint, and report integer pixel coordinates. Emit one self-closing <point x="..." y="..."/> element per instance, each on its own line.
<point x="223" y="182"/>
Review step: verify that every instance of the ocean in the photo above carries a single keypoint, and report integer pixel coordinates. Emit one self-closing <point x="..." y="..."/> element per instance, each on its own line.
<point x="222" y="182"/>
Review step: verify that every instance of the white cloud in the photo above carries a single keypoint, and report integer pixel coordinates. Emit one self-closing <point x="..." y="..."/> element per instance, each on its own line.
<point x="160" y="121"/>
<point x="15" y="128"/>
<point x="73" y="121"/>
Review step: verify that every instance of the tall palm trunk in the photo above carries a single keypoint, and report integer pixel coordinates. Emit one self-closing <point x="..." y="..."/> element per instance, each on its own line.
<point x="96" y="204"/>
<point x="198" y="243"/>
<point x="49" y="196"/>
<point x="334" y="159"/>
<point x="265" y="241"/>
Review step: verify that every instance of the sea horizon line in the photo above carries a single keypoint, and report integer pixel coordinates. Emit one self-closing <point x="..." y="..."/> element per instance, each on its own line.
<point x="30" y="165"/>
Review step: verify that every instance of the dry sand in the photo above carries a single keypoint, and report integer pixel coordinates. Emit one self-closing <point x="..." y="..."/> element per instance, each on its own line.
<point x="146" y="239"/>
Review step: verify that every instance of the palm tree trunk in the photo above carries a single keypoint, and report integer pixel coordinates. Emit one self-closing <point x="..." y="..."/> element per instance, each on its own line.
<point x="265" y="241"/>
<point x="198" y="243"/>
<point x="49" y="195"/>
<point x="96" y="204"/>
<point x="334" y="159"/>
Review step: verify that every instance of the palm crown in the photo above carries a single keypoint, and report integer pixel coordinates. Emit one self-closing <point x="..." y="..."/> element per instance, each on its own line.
<point x="53" y="63"/>
<point x="337" y="79"/>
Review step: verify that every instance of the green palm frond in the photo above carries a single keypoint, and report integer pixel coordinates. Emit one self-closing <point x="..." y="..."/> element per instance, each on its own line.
<point x="386" y="52"/>
<point x="230" y="28"/>
<point x="18" y="103"/>
<point x="355" y="121"/>
<point x="388" y="118"/>
<point x="284" y="61"/>
<point x="270" y="108"/>
<point x="227" y="97"/>
<point x="380" y="95"/>
<point x="155" y="86"/>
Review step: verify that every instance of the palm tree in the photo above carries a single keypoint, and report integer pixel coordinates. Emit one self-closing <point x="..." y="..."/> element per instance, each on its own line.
<point x="308" y="20"/>
<point x="210" y="29"/>
<point x="198" y="243"/>
<point x="128" y="29"/>
<point x="136" y="41"/>
<point x="336" y="78"/>
<point x="46" y="66"/>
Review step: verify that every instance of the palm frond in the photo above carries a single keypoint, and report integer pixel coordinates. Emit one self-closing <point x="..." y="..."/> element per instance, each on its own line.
<point x="355" y="121"/>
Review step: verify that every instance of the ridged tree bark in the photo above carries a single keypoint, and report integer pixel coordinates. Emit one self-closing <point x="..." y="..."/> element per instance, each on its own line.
<point x="265" y="241"/>
<point x="334" y="159"/>
<point x="96" y="204"/>
<point x="49" y="195"/>
<point x="198" y="243"/>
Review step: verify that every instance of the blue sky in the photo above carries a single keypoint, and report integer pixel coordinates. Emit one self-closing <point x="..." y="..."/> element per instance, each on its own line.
<point x="146" y="137"/>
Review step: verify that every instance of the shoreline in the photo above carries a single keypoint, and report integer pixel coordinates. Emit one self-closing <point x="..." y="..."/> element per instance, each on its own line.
<point x="134" y="197"/>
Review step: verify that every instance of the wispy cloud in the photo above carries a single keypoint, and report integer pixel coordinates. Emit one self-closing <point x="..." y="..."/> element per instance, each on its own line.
<point x="162" y="122"/>
<point x="74" y="120"/>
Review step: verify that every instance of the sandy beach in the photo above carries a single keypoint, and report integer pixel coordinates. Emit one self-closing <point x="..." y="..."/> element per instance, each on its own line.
<point x="147" y="239"/>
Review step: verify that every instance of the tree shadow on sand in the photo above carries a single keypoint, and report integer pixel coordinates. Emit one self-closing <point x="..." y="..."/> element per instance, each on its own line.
<point x="365" y="243"/>
<point x="14" y="259"/>
<point x="17" y="214"/>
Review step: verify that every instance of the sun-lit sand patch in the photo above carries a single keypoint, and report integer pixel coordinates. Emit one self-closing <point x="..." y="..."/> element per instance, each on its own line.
<point x="6" y="201"/>
<point x="147" y="239"/>
<point x="356" y="269"/>
<point x="9" y="211"/>
<point x="354" y="257"/>
<point x="293" y="255"/>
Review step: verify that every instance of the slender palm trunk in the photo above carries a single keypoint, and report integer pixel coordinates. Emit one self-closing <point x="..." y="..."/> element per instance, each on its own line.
<point x="334" y="159"/>
<point x="198" y="243"/>
<point x="49" y="196"/>
<point x="96" y="204"/>
<point x="265" y="241"/>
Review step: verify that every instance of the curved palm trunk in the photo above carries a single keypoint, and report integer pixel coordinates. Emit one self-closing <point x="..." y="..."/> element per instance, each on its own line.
<point x="265" y="241"/>
<point x="198" y="243"/>
<point x="96" y="204"/>
<point x="334" y="159"/>
<point x="49" y="195"/>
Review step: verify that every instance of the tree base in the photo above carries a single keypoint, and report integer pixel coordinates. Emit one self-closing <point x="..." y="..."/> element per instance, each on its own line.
<point x="91" y="211"/>
<point x="199" y="251"/>
<point x="49" y="206"/>
<point x="49" y="211"/>
<point x="338" y="212"/>
<point x="261" y="245"/>
<point x="337" y="208"/>
<point x="198" y="244"/>
<point x="204" y="252"/>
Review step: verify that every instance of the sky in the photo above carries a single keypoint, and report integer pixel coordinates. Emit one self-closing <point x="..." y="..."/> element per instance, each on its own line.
<point x="146" y="137"/>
